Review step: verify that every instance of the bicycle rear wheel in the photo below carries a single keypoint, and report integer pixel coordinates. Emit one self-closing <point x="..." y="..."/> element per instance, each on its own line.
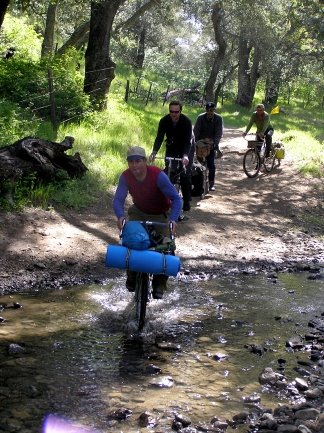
<point x="251" y="163"/>
<point x="141" y="297"/>
<point x="269" y="161"/>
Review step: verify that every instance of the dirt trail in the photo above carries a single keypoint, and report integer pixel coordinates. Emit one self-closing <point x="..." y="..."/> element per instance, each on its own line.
<point x="262" y="221"/>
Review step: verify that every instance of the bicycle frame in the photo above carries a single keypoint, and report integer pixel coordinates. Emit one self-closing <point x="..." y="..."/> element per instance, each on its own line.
<point x="254" y="158"/>
<point x="142" y="285"/>
<point x="173" y="168"/>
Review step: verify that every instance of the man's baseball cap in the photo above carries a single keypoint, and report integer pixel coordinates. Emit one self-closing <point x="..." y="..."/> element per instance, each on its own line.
<point x="135" y="152"/>
<point x="210" y="105"/>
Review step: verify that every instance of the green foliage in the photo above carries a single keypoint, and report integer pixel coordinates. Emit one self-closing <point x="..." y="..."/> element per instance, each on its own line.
<point x="15" y="123"/>
<point x="103" y="138"/>
<point x="30" y="88"/>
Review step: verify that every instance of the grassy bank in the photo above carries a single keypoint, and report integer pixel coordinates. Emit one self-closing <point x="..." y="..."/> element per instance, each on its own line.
<point x="102" y="140"/>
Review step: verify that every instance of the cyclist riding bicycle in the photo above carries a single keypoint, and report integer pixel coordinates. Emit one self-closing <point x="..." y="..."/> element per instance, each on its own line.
<point x="177" y="129"/>
<point x="264" y="128"/>
<point x="154" y="198"/>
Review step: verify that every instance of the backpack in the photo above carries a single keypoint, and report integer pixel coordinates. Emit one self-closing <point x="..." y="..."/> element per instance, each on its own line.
<point x="135" y="236"/>
<point x="197" y="179"/>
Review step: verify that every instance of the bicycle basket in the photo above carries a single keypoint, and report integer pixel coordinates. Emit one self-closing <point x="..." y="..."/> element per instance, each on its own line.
<point x="252" y="144"/>
<point x="203" y="148"/>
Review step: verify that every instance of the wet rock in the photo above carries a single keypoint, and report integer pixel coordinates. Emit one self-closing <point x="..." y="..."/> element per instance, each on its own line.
<point x="254" y="398"/>
<point x="255" y="348"/>
<point x="153" y="369"/>
<point x="303" y="429"/>
<point x="162" y="382"/>
<point x="270" y="377"/>
<point x="301" y="384"/>
<point x="14" y="348"/>
<point x="241" y="417"/>
<point x="287" y="428"/>
<point x="307" y="414"/>
<point x="165" y="345"/>
<point x="183" y="419"/>
<point x="317" y="323"/>
<point x="176" y="425"/>
<point x="220" y="356"/>
<point x="295" y="343"/>
<point x="189" y="430"/>
<point x="120" y="414"/>
<point x="313" y="393"/>
<point x="146" y="419"/>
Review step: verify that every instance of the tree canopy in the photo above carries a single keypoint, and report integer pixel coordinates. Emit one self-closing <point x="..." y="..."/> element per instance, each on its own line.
<point x="211" y="45"/>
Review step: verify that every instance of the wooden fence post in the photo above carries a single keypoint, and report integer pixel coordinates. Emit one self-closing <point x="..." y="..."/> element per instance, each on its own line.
<point x="127" y="91"/>
<point x="52" y="99"/>
<point x="148" y="94"/>
<point x="166" y="95"/>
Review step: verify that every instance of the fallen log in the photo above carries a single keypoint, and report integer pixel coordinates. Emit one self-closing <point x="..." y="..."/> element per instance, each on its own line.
<point x="46" y="159"/>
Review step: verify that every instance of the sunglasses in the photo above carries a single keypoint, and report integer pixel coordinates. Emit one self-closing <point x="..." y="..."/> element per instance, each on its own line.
<point x="174" y="111"/>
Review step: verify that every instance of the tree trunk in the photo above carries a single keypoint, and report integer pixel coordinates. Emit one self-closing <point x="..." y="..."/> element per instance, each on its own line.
<point x="255" y="74"/>
<point x="217" y="18"/>
<point x="244" y="74"/>
<point x="48" y="41"/>
<point x="3" y="9"/>
<point x="140" y="56"/>
<point x="273" y="82"/>
<point x="99" y="68"/>
<point x="45" y="158"/>
<point x="78" y="39"/>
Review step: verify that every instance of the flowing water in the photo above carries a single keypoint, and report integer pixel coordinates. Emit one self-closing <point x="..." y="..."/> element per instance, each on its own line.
<point x="80" y="355"/>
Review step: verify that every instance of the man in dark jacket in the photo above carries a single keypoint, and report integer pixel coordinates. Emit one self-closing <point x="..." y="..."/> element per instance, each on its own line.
<point x="177" y="128"/>
<point x="210" y="125"/>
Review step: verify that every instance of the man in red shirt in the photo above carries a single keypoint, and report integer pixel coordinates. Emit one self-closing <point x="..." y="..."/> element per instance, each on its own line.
<point x="154" y="199"/>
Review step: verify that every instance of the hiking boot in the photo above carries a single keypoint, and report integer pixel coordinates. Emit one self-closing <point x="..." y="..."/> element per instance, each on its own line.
<point x="159" y="286"/>
<point x="131" y="281"/>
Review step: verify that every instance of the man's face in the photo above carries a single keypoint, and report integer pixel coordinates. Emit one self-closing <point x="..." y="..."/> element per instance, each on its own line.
<point x="210" y="112"/>
<point x="138" y="167"/>
<point x="175" y="111"/>
<point x="260" y="111"/>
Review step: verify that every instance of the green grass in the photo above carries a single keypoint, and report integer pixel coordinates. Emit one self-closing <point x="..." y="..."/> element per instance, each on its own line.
<point x="103" y="138"/>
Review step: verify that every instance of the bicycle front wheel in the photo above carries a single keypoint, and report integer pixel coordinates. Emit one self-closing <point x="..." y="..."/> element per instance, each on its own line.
<point x="269" y="161"/>
<point x="141" y="297"/>
<point x="251" y="163"/>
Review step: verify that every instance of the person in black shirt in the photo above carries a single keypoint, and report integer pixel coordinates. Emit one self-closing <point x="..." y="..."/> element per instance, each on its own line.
<point x="210" y="125"/>
<point x="177" y="128"/>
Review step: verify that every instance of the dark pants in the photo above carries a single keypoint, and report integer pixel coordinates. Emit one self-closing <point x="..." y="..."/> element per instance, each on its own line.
<point x="268" y="139"/>
<point x="211" y="166"/>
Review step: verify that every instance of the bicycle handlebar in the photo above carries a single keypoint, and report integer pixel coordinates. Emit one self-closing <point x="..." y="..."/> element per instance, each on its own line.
<point x="170" y="159"/>
<point x="248" y="137"/>
<point x="153" y="223"/>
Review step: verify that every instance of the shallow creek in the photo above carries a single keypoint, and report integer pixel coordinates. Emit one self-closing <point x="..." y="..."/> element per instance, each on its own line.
<point x="80" y="355"/>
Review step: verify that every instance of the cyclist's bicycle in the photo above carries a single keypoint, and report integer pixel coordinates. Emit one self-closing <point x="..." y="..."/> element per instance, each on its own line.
<point x="255" y="157"/>
<point x="143" y="287"/>
<point x="173" y="169"/>
<point x="203" y="148"/>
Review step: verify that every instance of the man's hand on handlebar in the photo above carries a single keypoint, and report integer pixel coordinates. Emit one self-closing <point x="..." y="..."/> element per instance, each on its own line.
<point x="172" y="227"/>
<point x="120" y="222"/>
